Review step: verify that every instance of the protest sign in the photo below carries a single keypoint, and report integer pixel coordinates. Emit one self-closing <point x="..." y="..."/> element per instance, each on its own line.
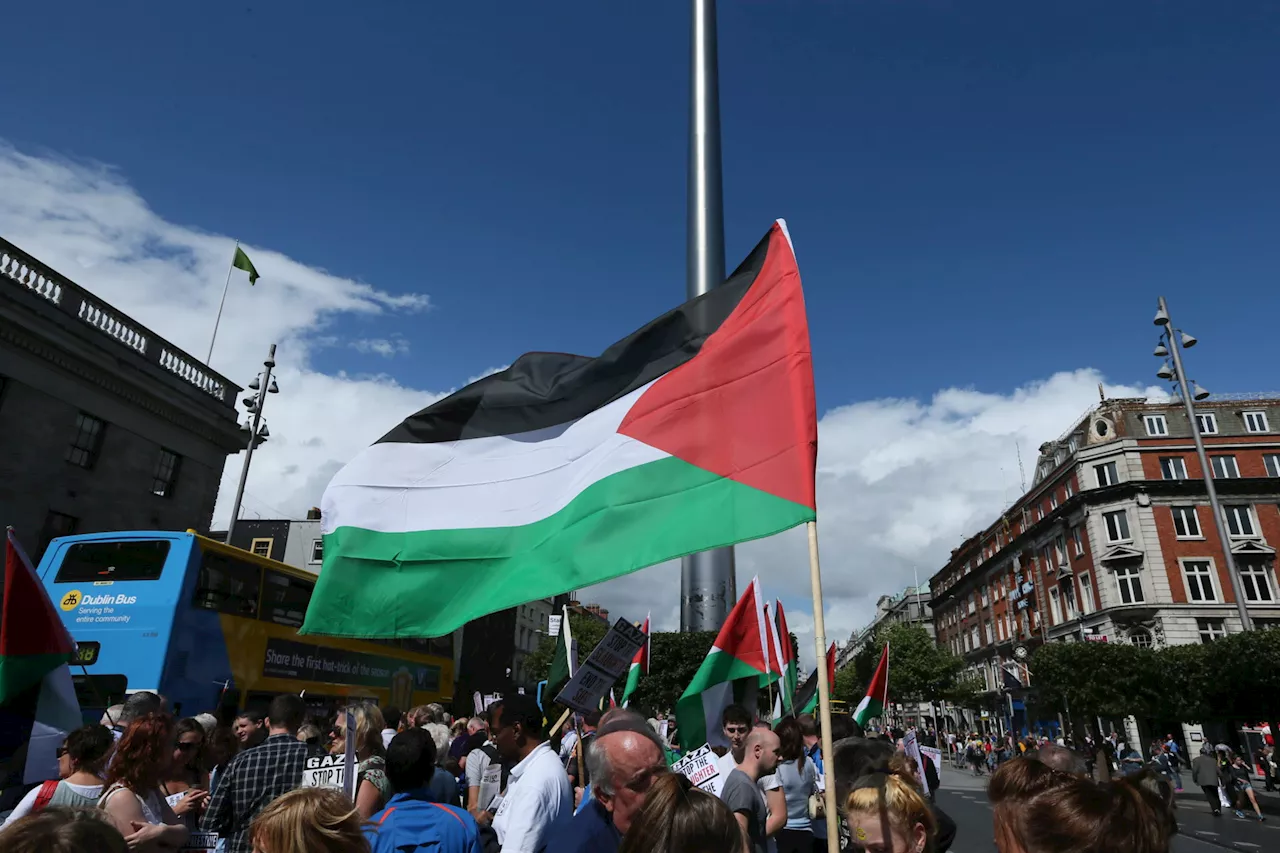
<point x="699" y="767"/>
<point x="606" y="663"/>
<point x="326" y="772"/>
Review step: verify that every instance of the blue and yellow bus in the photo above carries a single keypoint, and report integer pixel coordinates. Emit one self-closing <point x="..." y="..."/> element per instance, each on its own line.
<point x="209" y="626"/>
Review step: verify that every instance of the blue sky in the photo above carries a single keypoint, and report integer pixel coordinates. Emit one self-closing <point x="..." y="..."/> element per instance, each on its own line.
<point x="986" y="199"/>
<point x="980" y="193"/>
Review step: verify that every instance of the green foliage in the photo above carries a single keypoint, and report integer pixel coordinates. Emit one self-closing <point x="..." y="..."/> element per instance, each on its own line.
<point x="919" y="670"/>
<point x="848" y="688"/>
<point x="675" y="658"/>
<point x="587" y="631"/>
<point x="967" y="691"/>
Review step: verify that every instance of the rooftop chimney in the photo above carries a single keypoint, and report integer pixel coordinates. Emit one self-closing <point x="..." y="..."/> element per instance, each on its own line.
<point x="313" y="514"/>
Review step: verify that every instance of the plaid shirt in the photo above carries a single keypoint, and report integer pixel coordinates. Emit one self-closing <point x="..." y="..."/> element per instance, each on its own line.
<point x="251" y="781"/>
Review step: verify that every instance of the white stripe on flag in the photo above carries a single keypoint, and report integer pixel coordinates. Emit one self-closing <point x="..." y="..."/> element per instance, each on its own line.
<point x="495" y="481"/>
<point x="57" y="713"/>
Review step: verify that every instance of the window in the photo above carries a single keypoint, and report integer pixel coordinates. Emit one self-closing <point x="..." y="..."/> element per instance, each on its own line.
<point x="166" y="474"/>
<point x="1060" y="549"/>
<point x="991" y="633"/>
<point x="984" y="596"/>
<point x="1239" y="520"/>
<point x="1039" y="512"/>
<point x="1199" y="578"/>
<point x="317" y="551"/>
<point x="1086" y="594"/>
<point x="1173" y="468"/>
<point x="1106" y="474"/>
<point x="1129" y="584"/>
<point x="285" y="598"/>
<point x="1117" y="525"/>
<point x="1272" y="462"/>
<point x="1208" y="424"/>
<point x="261" y="547"/>
<point x="227" y="585"/>
<point x="1186" y="523"/>
<point x="1155" y="425"/>
<point x="1069" y="599"/>
<point x="87" y="441"/>
<point x="132" y="560"/>
<point x="974" y="641"/>
<point x="1255" y="422"/>
<point x="1077" y="541"/>
<point x="972" y="606"/>
<point x="1211" y="629"/>
<point x="1070" y="489"/>
<point x="1224" y="467"/>
<point x="1055" y="606"/>
<point x="1140" y="637"/>
<point x="1256" y="580"/>
<point x="1053" y="500"/>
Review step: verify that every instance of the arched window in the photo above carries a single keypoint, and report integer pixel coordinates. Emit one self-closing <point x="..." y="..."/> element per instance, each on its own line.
<point x="1140" y="637"/>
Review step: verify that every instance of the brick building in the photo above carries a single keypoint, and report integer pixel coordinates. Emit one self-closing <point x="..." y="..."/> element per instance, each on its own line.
<point x="105" y="425"/>
<point x="1115" y="541"/>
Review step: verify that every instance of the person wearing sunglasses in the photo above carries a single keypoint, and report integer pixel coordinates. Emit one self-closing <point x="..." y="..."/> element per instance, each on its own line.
<point x="186" y="785"/>
<point x="81" y="759"/>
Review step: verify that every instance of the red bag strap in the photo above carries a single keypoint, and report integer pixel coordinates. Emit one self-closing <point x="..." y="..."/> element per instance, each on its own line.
<point x="45" y="795"/>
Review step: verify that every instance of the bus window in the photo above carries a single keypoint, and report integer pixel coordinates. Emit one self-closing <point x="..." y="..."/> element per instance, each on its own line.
<point x="99" y="692"/>
<point x="286" y="598"/>
<point x="86" y="562"/>
<point x="227" y="585"/>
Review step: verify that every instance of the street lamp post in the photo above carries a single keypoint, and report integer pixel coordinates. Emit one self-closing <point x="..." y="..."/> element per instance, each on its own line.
<point x="255" y="429"/>
<point x="1171" y="344"/>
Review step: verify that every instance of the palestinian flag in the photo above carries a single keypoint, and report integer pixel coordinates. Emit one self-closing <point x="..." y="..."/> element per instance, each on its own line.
<point x="775" y="673"/>
<point x="807" y="699"/>
<point x="736" y="666"/>
<point x="37" y="700"/>
<point x="790" y="666"/>
<point x="564" y="662"/>
<point x="639" y="665"/>
<point x="695" y="432"/>
<point x="872" y="705"/>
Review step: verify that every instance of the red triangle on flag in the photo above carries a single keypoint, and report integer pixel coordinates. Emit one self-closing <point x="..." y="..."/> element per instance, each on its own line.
<point x="742" y="634"/>
<point x="29" y="624"/>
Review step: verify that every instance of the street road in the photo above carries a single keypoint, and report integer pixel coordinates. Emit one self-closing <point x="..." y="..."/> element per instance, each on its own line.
<point x="964" y="798"/>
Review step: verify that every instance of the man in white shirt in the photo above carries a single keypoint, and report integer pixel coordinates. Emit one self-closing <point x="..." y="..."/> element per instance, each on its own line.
<point x="538" y="801"/>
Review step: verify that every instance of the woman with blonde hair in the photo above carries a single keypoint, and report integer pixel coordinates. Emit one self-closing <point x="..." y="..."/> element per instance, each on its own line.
<point x="309" y="820"/>
<point x="372" y="787"/>
<point x="887" y="812"/>
<point x="678" y="817"/>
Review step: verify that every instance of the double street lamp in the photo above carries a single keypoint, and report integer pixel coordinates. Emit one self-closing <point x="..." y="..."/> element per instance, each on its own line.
<point x="255" y="431"/>
<point x="1172" y="342"/>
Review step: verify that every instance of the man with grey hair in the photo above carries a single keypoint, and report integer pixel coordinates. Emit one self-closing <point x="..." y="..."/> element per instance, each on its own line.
<point x="439" y="731"/>
<point x="625" y="757"/>
<point x="136" y="706"/>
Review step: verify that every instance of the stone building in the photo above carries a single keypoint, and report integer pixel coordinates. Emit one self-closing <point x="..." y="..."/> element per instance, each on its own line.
<point x="1115" y="541"/>
<point x="105" y="425"/>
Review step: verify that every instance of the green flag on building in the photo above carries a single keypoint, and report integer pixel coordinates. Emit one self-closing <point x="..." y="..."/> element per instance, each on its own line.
<point x="242" y="262"/>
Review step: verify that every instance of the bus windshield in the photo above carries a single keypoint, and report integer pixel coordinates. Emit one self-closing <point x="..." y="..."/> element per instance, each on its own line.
<point x="86" y="562"/>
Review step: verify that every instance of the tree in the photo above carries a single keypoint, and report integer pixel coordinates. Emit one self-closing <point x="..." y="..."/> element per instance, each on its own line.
<point x="919" y="670"/>
<point x="675" y="658"/>
<point x="586" y="630"/>
<point x="848" y="688"/>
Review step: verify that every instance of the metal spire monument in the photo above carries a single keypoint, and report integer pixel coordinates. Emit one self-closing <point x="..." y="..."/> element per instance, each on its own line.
<point x="708" y="584"/>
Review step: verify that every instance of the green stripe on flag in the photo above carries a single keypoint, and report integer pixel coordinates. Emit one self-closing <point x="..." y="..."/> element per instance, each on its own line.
<point x="427" y="583"/>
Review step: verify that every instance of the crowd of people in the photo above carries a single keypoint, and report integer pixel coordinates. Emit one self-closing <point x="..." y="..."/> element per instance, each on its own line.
<point x="501" y="781"/>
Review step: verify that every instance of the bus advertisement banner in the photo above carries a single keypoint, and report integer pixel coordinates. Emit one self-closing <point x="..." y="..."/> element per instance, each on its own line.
<point x="308" y="662"/>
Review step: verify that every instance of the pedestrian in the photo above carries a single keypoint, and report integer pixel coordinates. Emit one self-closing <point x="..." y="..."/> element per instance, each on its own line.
<point x="258" y="776"/>
<point x="1240" y="787"/>
<point x="740" y="792"/>
<point x="414" y="819"/>
<point x="626" y="760"/>
<point x="486" y="775"/>
<point x="309" y="820"/>
<point x="538" y="800"/>
<point x="438" y="730"/>
<point x="64" y="829"/>
<point x="890" y="801"/>
<point x="799" y="779"/>
<point x="186" y="786"/>
<point x="678" y="817"/>
<point x="143" y="755"/>
<point x="372" y="788"/>
<point x="1204" y="775"/>
<point x="81" y="761"/>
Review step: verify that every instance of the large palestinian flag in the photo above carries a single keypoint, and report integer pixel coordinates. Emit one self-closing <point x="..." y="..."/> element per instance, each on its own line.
<point x="695" y="432"/>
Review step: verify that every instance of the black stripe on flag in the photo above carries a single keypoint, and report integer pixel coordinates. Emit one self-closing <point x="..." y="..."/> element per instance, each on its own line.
<point x="543" y="389"/>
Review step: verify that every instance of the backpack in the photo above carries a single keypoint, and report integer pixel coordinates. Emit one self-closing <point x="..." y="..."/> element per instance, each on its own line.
<point x="45" y="795"/>
<point x="494" y="758"/>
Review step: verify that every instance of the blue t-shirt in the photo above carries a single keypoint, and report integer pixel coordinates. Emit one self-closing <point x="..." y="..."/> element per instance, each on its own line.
<point x="590" y="831"/>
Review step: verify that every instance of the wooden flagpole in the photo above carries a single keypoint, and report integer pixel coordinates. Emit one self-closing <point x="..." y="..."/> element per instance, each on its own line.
<point x="824" y="694"/>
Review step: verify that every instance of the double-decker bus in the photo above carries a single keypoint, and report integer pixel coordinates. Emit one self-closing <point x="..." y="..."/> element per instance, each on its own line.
<point x="209" y="626"/>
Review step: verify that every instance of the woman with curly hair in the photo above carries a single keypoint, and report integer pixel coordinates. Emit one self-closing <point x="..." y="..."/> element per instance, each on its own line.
<point x="372" y="787"/>
<point x="309" y="820"/>
<point x="132" y="798"/>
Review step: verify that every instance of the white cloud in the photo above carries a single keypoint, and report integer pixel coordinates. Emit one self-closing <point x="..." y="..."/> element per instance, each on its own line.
<point x="900" y="482"/>
<point x="385" y="347"/>
<point x="85" y="221"/>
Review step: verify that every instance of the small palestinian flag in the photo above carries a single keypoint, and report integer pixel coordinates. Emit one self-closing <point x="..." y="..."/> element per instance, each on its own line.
<point x="872" y="705"/>
<point x="790" y="666"/>
<point x="736" y="666"/>
<point x="639" y="665"/>
<point x="807" y="700"/>
<point x="695" y="432"/>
